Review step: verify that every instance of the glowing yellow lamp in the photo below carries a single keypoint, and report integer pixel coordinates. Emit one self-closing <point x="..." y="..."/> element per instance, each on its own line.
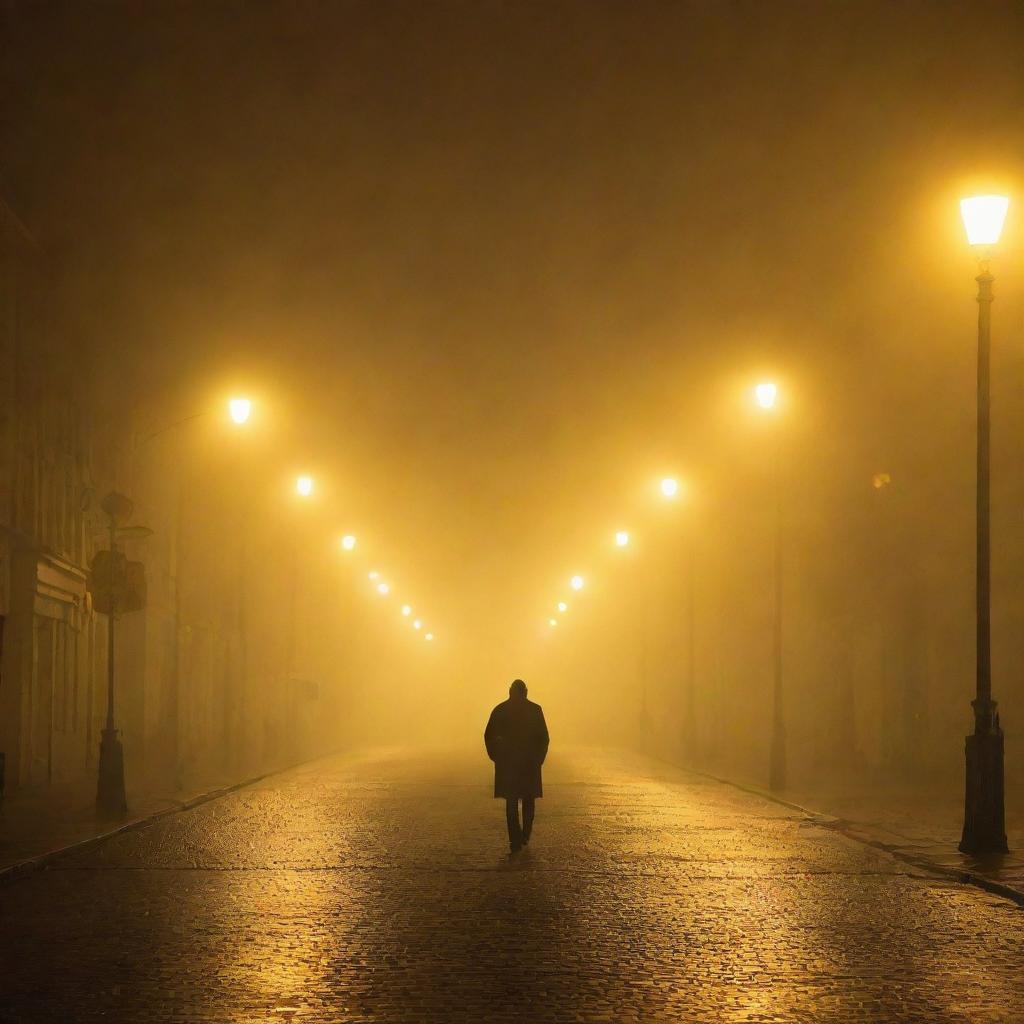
<point x="766" y="394"/>
<point x="983" y="218"/>
<point x="240" y="409"/>
<point x="304" y="485"/>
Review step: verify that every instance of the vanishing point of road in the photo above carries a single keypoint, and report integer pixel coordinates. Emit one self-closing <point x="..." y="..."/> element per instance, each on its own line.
<point x="377" y="888"/>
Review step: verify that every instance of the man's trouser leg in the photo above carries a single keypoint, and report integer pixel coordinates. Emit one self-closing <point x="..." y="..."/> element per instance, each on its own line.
<point x="515" y="833"/>
<point x="528" y="808"/>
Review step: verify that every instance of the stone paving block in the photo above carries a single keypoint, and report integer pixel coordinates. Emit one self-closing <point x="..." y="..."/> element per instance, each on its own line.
<point x="379" y="890"/>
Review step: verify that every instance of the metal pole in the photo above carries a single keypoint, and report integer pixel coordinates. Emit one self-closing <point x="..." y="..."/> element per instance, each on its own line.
<point x="110" y="794"/>
<point x="293" y="582"/>
<point x="290" y="743"/>
<point x="242" y="582"/>
<point x="644" y="639"/>
<point x="690" y="724"/>
<point x="984" y="822"/>
<point x="110" y="631"/>
<point x="777" y="757"/>
<point x="983" y="505"/>
<point x="179" y="744"/>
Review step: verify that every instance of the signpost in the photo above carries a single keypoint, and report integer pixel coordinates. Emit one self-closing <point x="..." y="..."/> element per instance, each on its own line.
<point x="117" y="586"/>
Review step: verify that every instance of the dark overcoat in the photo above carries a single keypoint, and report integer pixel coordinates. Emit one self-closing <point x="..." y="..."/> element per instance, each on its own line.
<point x="516" y="738"/>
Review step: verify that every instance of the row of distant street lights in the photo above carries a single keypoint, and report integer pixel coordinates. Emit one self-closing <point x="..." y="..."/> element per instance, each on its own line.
<point x="984" y="830"/>
<point x="240" y="411"/>
<point x="110" y="794"/>
<point x="670" y="488"/>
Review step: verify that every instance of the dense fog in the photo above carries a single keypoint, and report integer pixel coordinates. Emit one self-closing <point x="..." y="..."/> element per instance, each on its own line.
<point x="488" y="274"/>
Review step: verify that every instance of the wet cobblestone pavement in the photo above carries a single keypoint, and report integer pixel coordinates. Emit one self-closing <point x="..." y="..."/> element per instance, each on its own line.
<point x="379" y="889"/>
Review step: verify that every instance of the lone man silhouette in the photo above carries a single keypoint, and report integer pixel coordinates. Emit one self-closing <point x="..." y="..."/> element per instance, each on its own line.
<point x="516" y="738"/>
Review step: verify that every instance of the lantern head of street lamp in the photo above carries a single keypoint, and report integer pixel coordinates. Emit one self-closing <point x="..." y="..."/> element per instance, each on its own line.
<point x="429" y="636"/>
<point x="240" y="409"/>
<point x="383" y="589"/>
<point x="304" y="485"/>
<point x="766" y="394"/>
<point x="563" y="607"/>
<point x="416" y="624"/>
<point x="552" y="623"/>
<point x="983" y="218"/>
<point x="576" y="583"/>
<point x="406" y="610"/>
<point x="622" y="538"/>
<point x="348" y="542"/>
<point x="373" y="575"/>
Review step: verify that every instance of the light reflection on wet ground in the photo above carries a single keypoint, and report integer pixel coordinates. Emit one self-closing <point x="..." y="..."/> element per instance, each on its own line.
<point x="378" y="889"/>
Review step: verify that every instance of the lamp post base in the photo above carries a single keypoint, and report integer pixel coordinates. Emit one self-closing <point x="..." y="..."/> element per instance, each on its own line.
<point x="110" y="798"/>
<point x="984" y="821"/>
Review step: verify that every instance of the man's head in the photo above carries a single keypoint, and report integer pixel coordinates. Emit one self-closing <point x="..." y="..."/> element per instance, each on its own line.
<point x="517" y="689"/>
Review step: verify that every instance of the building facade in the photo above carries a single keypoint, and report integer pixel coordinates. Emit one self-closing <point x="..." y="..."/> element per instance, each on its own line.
<point x="243" y="657"/>
<point x="51" y="645"/>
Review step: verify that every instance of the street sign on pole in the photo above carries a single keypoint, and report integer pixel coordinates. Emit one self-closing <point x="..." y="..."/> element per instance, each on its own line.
<point x="117" y="585"/>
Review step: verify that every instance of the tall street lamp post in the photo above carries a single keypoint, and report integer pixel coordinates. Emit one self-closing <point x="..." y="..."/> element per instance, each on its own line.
<point x="690" y="725"/>
<point x="305" y="486"/>
<point x="642" y="603"/>
<point x="766" y="395"/>
<point x="670" y="490"/>
<point x="118" y="591"/>
<point x="984" y="824"/>
<point x="110" y="795"/>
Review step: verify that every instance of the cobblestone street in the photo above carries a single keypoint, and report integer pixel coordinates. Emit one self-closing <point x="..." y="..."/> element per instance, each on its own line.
<point x="378" y="888"/>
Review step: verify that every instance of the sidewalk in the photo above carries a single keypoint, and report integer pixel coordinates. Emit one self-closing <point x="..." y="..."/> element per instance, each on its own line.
<point x="36" y="824"/>
<point x="919" y="823"/>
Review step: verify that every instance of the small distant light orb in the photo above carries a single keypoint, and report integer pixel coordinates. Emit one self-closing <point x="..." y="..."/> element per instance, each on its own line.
<point x="348" y="542"/>
<point x="417" y="624"/>
<point x="552" y="623"/>
<point x="304" y="485"/>
<point x="669" y="487"/>
<point x="880" y="480"/>
<point x="562" y="606"/>
<point x="429" y="636"/>
<point x="240" y="409"/>
<point x="766" y="394"/>
<point x="383" y="588"/>
<point x="622" y="538"/>
<point x="576" y="583"/>
<point x="406" y="610"/>
<point x="373" y="575"/>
